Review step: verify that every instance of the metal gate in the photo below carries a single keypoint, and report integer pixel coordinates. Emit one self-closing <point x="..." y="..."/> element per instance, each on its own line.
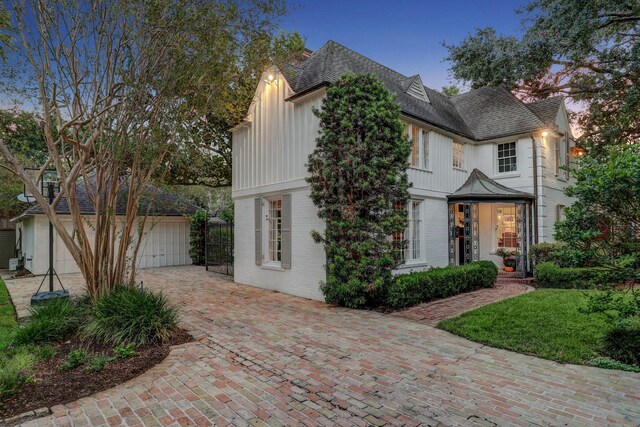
<point x="219" y="246"/>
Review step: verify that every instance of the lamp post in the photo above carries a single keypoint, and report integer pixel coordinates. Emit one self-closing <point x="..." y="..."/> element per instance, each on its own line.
<point x="48" y="181"/>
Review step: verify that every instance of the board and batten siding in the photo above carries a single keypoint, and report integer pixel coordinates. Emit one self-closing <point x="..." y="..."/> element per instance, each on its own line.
<point x="274" y="146"/>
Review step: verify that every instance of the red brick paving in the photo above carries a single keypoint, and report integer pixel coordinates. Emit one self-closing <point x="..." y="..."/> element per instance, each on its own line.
<point x="431" y="313"/>
<point x="264" y="358"/>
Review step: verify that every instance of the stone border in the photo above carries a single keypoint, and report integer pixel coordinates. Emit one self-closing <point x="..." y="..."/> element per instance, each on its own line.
<point x="25" y="416"/>
<point x="175" y="352"/>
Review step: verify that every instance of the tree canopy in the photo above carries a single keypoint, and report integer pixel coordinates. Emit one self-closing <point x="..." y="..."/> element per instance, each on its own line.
<point x="5" y="24"/>
<point x="120" y="87"/>
<point x="587" y="50"/>
<point x="22" y="133"/>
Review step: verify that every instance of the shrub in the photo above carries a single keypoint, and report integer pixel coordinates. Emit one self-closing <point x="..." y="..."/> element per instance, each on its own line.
<point x="197" y="231"/>
<point x="125" y="350"/>
<point x="413" y="288"/>
<point x="97" y="363"/>
<point x="550" y="275"/>
<point x="132" y="314"/>
<point x="53" y="320"/>
<point x="543" y="252"/>
<point x="622" y="341"/>
<point x="358" y="180"/>
<point x="75" y="358"/>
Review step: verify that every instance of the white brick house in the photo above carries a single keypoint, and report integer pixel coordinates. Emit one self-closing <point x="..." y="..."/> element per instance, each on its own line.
<point x="485" y="167"/>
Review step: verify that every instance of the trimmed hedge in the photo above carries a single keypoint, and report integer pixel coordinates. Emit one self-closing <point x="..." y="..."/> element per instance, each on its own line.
<point x="414" y="288"/>
<point x="549" y="275"/>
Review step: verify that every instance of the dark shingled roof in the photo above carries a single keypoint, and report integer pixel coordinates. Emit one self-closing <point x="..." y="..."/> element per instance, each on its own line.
<point x="480" y="187"/>
<point x="332" y="60"/>
<point x="480" y="114"/>
<point x="162" y="203"/>
<point x="547" y="109"/>
<point x="492" y="112"/>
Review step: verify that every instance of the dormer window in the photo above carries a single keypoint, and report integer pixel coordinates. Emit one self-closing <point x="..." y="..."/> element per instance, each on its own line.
<point x="415" y="88"/>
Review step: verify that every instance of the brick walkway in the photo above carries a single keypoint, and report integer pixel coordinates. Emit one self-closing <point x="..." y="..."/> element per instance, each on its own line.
<point x="431" y="313"/>
<point x="264" y="358"/>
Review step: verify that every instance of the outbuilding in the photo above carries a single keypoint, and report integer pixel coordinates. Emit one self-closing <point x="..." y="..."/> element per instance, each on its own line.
<point x="166" y="237"/>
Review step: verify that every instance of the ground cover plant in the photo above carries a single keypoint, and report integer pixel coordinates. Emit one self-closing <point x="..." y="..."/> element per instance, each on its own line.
<point x="549" y="323"/>
<point x="70" y="348"/>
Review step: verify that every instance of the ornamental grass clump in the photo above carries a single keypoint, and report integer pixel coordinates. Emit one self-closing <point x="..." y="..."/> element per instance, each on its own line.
<point x="53" y="320"/>
<point x="132" y="314"/>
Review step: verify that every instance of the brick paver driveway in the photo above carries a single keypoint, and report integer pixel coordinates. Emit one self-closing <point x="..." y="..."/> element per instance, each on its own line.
<point x="268" y="358"/>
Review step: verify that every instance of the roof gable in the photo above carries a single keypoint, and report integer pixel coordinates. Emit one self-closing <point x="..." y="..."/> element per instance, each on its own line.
<point x="415" y="88"/>
<point x="547" y="109"/>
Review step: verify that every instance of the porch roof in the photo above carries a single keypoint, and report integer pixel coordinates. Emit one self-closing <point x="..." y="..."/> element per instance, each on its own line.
<point x="479" y="187"/>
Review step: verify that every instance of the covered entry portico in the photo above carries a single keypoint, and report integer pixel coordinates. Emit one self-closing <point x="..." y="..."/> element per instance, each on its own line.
<point x="507" y="222"/>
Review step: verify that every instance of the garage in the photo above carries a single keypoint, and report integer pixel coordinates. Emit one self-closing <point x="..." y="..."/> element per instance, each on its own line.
<point x="165" y="241"/>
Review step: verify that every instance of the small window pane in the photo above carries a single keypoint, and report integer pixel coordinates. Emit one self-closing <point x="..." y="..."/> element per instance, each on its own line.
<point x="507" y="159"/>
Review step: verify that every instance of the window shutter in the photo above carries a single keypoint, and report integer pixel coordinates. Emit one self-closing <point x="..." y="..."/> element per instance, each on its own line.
<point x="258" y="208"/>
<point x="286" y="231"/>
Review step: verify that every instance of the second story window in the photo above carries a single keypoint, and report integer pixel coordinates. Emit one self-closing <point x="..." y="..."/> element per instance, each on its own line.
<point x="458" y="155"/>
<point x="425" y="149"/>
<point x="415" y="146"/>
<point x="507" y="159"/>
<point x="419" y="147"/>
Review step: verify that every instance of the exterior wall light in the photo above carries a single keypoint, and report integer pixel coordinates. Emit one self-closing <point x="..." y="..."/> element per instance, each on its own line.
<point x="271" y="79"/>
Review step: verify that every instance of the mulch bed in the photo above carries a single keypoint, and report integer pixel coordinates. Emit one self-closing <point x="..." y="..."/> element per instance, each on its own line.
<point x="52" y="387"/>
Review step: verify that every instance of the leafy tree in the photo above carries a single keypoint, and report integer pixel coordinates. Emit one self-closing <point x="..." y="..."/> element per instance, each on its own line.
<point x="22" y="133"/>
<point x="359" y="183"/>
<point x="5" y="25"/>
<point x="451" y="90"/>
<point x="207" y="159"/>
<point x="119" y="85"/>
<point x="588" y="50"/>
<point x="604" y="223"/>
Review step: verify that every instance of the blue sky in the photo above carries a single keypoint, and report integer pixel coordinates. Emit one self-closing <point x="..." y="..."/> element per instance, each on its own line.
<point x="405" y="35"/>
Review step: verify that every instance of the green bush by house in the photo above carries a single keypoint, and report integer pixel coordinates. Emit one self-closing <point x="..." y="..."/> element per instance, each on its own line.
<point x="414" y="288"/>
<point x="549" y="275"/>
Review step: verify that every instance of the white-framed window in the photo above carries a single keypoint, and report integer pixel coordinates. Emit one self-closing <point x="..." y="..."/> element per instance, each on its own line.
<point x="506" y="227"/>
<point x="556" y="154"/>
<point x="273" y="228"/>
<point x="419" y="146"/>
<point x="425" y="149"/>
<point x="412" y="235"/>
<point x="507" y="157"/>
<point x="458" y="154"/>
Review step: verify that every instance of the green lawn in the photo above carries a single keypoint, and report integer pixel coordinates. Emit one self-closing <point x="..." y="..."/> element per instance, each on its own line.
<point x="15" y="363"/>
<point x="8" y="322"/>
<point x="545" y="323"/>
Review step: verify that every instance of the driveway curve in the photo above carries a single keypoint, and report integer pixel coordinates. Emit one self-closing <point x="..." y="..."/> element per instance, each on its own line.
<point x="265" y="358"/>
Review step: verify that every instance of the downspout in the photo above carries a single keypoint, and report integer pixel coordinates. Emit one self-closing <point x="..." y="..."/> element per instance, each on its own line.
<point x="534" y="147"/>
